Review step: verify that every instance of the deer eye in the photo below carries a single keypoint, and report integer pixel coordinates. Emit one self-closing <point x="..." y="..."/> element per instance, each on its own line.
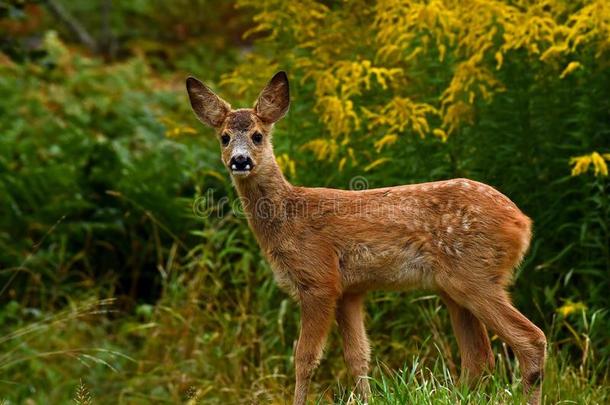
<point x="225" y="139"/>
<point x="257" y="138"/>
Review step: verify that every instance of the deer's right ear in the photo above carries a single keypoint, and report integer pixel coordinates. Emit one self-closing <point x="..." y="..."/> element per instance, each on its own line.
<point x="274" y="100"/>
<point x="209" y="108"/>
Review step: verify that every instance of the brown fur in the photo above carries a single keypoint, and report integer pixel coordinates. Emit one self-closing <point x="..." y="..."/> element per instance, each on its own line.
<point x="329" y="247"/>
<point x="240" y="121"/>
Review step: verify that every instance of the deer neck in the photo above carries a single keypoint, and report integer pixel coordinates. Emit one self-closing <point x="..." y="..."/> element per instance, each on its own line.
<point x="263" y="197"/>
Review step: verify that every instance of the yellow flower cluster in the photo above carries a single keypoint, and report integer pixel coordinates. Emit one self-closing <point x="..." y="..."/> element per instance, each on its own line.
<point x="323" y="149"/>
<point x="571" y="307"/>
<point x="401" y="23"/>
<point x="338" y="84"/>
<point x="304" y="17"/>
<point x="469" y="80"/>
<point x="287" y="165"/>
<point x="246" y="79"/>
<point x="400" y="114"/>
<point x="363" y="60"/>
<point x="581" y="164"/>
<point x="173" y="129"/>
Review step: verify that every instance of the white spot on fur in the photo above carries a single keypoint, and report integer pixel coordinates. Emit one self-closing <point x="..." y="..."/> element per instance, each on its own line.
<point x="448" y="250"/>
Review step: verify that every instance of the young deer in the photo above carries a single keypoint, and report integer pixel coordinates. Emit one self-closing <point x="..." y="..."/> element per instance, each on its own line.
<point x="328" y="247"/>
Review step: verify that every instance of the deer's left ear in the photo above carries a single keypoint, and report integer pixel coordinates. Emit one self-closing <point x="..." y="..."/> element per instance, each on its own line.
<point x="209" y="108"/>
<point x="274" y="100"/>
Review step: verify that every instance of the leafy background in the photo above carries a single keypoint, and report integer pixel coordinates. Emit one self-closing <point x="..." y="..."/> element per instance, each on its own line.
<point x="115" y="288"/>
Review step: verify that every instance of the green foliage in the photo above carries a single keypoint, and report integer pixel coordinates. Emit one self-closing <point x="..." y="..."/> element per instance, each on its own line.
<point x="86" y="169"/>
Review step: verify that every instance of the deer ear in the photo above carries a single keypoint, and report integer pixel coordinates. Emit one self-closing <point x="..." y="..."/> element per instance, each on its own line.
<point x="209" y="108"/>
<point x="274" y="100"/>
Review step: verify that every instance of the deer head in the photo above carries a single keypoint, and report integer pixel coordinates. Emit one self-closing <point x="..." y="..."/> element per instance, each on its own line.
<point x="245" y="133"/>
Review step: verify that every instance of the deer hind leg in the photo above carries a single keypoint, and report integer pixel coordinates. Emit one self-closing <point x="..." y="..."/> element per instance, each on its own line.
<point x="316" y="319"/>
<point x="471" y="335"/>
<point x="490" y="303"/>
<point x="356" y="349"/>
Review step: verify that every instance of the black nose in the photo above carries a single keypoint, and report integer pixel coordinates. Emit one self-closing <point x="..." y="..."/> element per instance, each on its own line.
<point x="241" y="162"/>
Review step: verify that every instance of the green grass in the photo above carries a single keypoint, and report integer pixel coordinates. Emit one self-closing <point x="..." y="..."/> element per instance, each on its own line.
<point x="415" y="384"/>
<point x="176" y="352"/>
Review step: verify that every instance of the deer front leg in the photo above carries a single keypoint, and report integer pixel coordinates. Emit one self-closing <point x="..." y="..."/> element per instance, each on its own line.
<point x="356" y="348"/>
<point x="316" y="319"/>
